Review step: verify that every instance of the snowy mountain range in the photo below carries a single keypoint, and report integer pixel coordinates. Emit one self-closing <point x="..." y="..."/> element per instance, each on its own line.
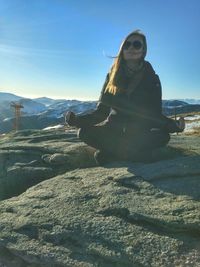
<point x="42" y="106"/>
<point x="43" y="112"/>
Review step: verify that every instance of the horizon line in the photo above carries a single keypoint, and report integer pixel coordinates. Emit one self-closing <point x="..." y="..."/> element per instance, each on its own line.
<point x="79" y="99"/>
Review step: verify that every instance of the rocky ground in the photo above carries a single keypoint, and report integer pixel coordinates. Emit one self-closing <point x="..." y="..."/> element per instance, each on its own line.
<point x="59" y="209"/>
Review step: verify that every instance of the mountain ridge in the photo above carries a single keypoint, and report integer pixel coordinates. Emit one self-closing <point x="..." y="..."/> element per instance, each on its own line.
<point x="43" y="112"/>
<point x="44" y="98"/>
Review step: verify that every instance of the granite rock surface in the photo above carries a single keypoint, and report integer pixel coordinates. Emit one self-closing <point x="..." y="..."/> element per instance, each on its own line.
<point x="59" y="209"/>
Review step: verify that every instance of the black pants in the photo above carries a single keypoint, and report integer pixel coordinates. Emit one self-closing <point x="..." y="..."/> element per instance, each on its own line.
<point x="122" y="144"/>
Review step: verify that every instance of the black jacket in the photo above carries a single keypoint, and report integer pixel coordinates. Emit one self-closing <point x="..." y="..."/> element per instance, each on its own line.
<point x="141" y="110"/>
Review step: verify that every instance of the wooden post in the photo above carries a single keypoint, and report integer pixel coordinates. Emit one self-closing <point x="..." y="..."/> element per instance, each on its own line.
<point x="17" y="108"/>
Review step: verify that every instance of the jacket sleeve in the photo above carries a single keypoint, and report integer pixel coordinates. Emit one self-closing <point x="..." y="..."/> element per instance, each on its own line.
<point x="167" y="124"/>
<point x="98" y="115"/>
<point x="158" y="119"/>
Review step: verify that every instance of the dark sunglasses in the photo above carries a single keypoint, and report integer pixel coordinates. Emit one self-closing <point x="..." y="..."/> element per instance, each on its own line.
<point x="136" y="44"/>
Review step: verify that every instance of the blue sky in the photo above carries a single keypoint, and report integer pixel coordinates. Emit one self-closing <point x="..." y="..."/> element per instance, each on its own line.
<point x="56" y="48"/>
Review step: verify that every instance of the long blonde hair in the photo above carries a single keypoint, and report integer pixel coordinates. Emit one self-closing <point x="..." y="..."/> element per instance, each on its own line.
<point x="113" y="87"/>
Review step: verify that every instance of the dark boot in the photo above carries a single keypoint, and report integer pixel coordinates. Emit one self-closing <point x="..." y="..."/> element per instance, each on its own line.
<point x="102" y="157"/>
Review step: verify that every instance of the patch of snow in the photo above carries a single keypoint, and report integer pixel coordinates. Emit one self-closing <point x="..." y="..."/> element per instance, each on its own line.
<point x="59" y="126"/>
<point x="7" y="119"/>
<point x="190" y="126"/>
<point x="193" y="117"/>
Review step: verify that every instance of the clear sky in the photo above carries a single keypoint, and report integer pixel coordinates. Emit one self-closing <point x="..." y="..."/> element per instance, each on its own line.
<point x="54" y="48"/>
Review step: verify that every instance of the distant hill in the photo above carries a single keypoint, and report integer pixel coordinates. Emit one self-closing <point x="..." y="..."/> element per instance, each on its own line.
<point x="45" y="100"/>
<point x="31" y="107"/>
<point x="5" y="111"/>
<point x="173" y="103"/>
<point x="191" y="101"/>
<point x="30" y="122"/>
<point x="170" y="107"/>
<point x="8" y="97"/>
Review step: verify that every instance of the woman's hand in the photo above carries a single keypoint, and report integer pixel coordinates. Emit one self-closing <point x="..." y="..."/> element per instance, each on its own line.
<point x="181" y="124"/>
<point x="70" y="118"/>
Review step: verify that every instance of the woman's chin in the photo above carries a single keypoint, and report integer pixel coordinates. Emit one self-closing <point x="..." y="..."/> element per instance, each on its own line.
<point x="133" y="58"/>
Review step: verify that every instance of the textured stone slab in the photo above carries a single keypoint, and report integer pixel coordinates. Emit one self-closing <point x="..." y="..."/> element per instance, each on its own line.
<point x="101" y="217"/>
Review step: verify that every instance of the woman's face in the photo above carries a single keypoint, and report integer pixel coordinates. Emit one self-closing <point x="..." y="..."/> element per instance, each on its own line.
<point x="133" y="48"/>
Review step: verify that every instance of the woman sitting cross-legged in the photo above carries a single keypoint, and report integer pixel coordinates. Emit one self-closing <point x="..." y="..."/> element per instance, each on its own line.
<point x="128" y="123"/>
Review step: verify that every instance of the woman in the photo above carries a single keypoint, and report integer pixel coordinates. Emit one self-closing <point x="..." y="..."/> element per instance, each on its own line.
<point x="128" y="122"/>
